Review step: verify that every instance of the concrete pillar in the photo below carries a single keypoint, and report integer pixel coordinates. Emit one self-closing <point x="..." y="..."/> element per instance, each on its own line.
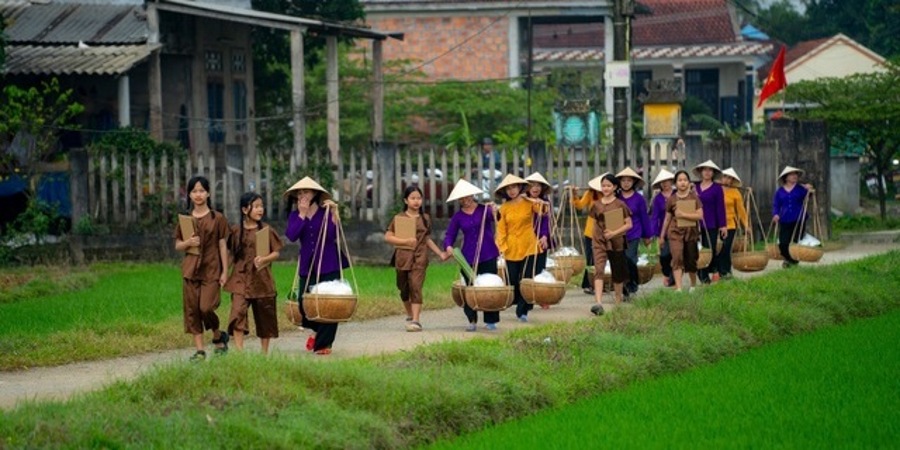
<point x="298" y="96"/>
<point x="332" y="78"/>
<point x="124" y="97"/>
<point x="378" y="92"/>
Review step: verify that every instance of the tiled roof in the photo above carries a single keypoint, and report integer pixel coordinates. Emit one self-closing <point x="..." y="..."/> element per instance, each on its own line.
<point x="671" y="22"/>
<point x="69" y="23"/>
<point x="69" y="59"/>
<point x="801" y="49"/>
<point x="657" y="52"/>
<point x="685" y="22"/>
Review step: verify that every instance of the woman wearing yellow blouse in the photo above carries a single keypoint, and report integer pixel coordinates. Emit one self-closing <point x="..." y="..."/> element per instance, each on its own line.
<point x="585" y="202"/>
<point x="516" y="237"/>
<point x="735" y="214"/>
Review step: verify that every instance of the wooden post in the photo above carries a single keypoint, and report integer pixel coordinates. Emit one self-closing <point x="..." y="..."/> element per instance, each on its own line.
<point x="377" y="92"/>
<point x="298" y="92"/>
<point x="332" y="78"/>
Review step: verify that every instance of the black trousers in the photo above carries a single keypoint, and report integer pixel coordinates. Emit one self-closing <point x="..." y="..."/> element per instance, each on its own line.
<point x="325" y="332"/>
<point x="709" y="238"/>
<point x="786" y="236"/>
<point x="724" y="266"/>
<point x="665" y="259"/>
<point x="489" y="266"/>
<point x="516" y="270"/>
<point x="586" y="281"/>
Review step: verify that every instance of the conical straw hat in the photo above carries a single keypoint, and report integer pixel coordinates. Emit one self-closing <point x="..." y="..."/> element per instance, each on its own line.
<point x="731" y="173"/>
<point x="708" y="163"/>
<point x="787" y="170"/>
<point x="595" y="182"/>
<point x="663" y="175"/>
<point x="509" y="180"/>
<point x="629" y="172"/>
<point x="307" y="183"/>
<point x="463" y="189"/>
<point x="538" y="178"/>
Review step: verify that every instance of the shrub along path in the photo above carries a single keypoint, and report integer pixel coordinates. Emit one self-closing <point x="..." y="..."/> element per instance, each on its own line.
<point x="354" y="339"/>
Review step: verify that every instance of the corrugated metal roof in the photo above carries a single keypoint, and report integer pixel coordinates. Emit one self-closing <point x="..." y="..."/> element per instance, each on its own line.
<point x="69" y="60"/>
<point x="62" y="23"/>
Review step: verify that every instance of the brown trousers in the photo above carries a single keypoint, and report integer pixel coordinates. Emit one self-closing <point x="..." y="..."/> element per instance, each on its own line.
<point x="684" y="255"/>
<point x="200" y="301"/>
<point x="410" y="283"/>
<point x="265" y="316"/>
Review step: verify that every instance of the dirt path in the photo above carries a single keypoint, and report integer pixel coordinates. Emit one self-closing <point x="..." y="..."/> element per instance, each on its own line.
<point x="354" y="339"/>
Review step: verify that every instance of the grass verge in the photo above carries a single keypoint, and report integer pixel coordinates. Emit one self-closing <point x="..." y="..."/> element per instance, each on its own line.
<point x="439" y="391"/>
<point x="835" y="388"/>
<point x="121" y="310"/>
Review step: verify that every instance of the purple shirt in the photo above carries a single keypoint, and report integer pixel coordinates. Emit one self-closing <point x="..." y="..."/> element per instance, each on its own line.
<point x="658" y="214"/>
<point x="470" y="224"/>
<point x="640" y="221"/>
<point x="789" y="205"/>
<point x="713" y="201"/>
<point x="544" y="230"/>
<point x="308" y="231"/>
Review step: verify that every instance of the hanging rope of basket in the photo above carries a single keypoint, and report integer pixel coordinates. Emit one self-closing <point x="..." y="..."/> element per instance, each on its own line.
<point x="574" y="262"/>
<point x="487" y="298"/>
<point x="542" y="293"/>
<point x="750" y="260"/>
<point x="807" y="253"/>
<point x="291" y="305"/>
<point x="330" y="308"/>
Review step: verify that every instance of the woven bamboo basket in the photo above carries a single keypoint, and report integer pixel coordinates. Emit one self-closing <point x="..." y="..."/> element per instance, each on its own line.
<point x="542" y="293"/>
<point x="488" y="298"/>
<point x="774" y="252"/>
<point x="657" y="268"/>
<point x="805" y="253"/>
<point x="563" y="274"/>
<point x="329" y="308"/>
<point x="750" y="261"/>
<point x="738" y="245"/>
<point x="607" y="279"/>
<point x="645" y="274"/>
<point x="292" y="311"/>
<point x="576" y="263"/>
<point x="456" y="292"/>
<point x="704" y="259"/>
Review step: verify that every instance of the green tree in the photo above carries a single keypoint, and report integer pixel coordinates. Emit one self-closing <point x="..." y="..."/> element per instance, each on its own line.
<point x="873" y="23"/>
<point x="866" y="106"/>
<point x="783" y="22"/>
<point x="35" y="116"/>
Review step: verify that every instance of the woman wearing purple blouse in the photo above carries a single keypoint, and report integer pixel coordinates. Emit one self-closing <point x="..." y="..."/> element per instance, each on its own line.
<point x="473" y="219"/>
<point x="318" y="261"/>
<point x="787" y="207"/>
<point x="663" y="182"/>
<point x="630" y="182"/>
<point x="714" y="225"/>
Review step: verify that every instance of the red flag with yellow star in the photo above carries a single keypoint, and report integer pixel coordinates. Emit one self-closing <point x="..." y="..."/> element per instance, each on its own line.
<point x="775" y="81"/>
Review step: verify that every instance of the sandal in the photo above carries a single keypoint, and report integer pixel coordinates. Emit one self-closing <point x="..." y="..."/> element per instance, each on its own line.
<point x="199" y="356"/>
<point x="223" y="339"/>
<point x="323" y="351"/>
<point x="413" y="326"/>
<point x="310" y="343"/>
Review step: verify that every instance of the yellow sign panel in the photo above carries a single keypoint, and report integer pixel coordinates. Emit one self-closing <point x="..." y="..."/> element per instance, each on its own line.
<point x="662" y="120"/>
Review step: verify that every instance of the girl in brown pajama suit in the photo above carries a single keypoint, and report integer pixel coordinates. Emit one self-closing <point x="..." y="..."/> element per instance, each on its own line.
<point x="682" y="240"/>
<point x="411" y="264"/>
<point x="203" y="274"/>
<point x="251" y="283"/>
<point x="608" y="244"/>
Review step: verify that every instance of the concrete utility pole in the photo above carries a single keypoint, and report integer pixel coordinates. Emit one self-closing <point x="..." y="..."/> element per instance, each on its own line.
<point x="623" y="10"/>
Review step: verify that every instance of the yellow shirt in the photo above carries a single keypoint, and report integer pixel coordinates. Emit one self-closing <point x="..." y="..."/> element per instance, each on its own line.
<point x="586" y="200"/>
<point x="516" y="238"/>
<point x="734" y="208"/>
